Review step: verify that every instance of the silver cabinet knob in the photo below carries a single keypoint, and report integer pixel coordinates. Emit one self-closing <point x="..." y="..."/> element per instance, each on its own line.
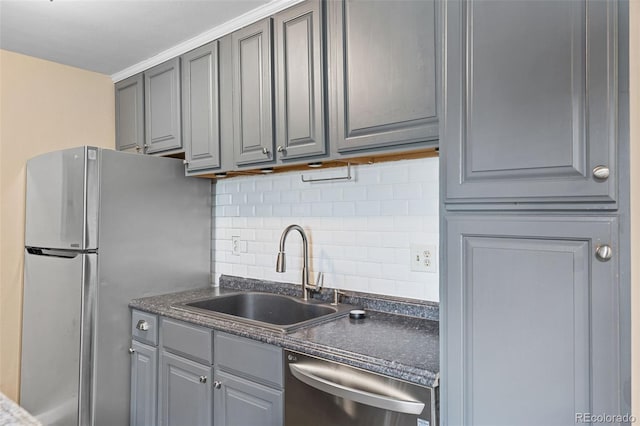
<point x="142" y="325"/>
<point x="203" y="379"/>
<point x="281" y="148"/>
<point x="185" y="162"/>
<point x="601" y="172"/>
<point x="138" y="149"/>
<point x="131" y="350"/>
<point x="265" y="151"/>
<point x="146" y="145"/>
<point x="604" y="252"/>
<point x="217" y="384"/>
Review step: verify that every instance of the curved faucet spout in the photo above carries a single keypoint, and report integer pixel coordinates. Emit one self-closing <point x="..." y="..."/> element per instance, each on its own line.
<point x="281" y="264"/>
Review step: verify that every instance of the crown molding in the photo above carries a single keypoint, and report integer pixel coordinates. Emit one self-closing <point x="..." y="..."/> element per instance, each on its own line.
<point x="207" y="36"/>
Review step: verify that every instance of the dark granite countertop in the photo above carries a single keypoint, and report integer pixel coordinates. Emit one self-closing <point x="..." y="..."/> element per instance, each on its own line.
<point x="401" y="346"/>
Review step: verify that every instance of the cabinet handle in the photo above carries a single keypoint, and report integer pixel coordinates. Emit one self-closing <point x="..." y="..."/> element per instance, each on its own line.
<point x="601" y="172"/>
<point x="604" y="252"/>
<point x="217" y="384"/>
<point x="185" y="162"/>
<point x="265" y="151"/>
<point x="138" y="148"/>
<point x="142" y="325"/>
<point x="282" y="149"/>
<point x="203" y="379"/>
<point x="131" y="350"/>
<point x="146" y="145"/>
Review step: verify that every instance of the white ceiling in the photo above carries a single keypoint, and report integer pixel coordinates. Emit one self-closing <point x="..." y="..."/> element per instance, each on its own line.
<point x="112" y="36"/>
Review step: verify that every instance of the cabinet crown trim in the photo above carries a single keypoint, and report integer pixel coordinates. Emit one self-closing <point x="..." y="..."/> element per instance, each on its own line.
<point x="228" y="27"/>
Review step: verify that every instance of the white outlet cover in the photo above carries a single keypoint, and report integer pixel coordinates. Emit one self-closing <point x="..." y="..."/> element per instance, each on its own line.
<point x="423" y="258"/>
<point x="235" y="246"/>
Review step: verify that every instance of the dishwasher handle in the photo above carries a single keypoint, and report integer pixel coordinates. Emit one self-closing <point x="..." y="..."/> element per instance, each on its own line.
<point x="368" y="398"/>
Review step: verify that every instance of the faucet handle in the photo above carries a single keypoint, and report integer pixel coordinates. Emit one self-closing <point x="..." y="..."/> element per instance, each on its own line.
<point x="319" y="282"/>
<point x="336" y="296"/>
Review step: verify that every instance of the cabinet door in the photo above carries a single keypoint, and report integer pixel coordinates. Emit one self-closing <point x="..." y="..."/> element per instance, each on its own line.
<point x="185" y="392"/>
<point x="382" y="73"/>
<point x="252" y="93"/>
<point x="144" y="374"/>
<point x="201" y="107"/>
<point x="531" y="316"/>
<point x="240" y="402"/>
<point x="162" y="107"/>
<point x="531" y="101"/>
<point x="130" y="114"/>
<point x="299" y="81"/>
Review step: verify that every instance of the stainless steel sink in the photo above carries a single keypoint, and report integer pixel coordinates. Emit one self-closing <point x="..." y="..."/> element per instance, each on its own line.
<point x="272" y="311"/>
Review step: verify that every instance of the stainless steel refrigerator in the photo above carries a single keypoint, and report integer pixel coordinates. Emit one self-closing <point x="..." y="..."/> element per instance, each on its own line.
<point x="102" y="227"/>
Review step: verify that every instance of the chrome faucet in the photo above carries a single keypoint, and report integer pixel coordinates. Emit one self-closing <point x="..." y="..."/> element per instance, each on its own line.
<point x="281" y="264"/>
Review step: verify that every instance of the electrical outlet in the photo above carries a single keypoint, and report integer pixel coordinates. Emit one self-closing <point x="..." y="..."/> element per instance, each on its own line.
<point x="235" y="246"/>
<point x="238" y="246"/>
<point x="423" y="258"/>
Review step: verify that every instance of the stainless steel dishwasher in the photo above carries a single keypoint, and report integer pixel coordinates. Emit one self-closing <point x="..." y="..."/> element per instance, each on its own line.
<point x="325" y="393"/>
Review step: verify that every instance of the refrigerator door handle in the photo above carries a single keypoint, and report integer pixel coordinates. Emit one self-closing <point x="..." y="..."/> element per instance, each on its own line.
<point x="67" y="254"/>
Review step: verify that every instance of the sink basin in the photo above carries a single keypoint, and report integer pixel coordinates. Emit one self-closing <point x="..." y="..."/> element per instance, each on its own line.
<point x="272" y="311"/>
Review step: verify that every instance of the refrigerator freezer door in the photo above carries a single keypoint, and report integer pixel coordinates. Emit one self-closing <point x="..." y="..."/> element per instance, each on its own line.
<point x="55" y="384"/>
<point x="62" y="199"/>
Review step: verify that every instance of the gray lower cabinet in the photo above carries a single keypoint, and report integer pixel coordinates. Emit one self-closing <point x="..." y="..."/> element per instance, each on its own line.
<point x="299" y="77"/>
<point x="240" y="402"/>
<point x="129" y="99"/>
<point x="185" y="392"/>
<point x="144" y="374"/>
<point x="531" y="107"/>
<point x="250" y="382"/>
<point x="201" y="107"/>
<point x="252" y="94"/>
<point x="530" y="320"/>
<point x="382" y="73"/>
<point x="162" y="108"/>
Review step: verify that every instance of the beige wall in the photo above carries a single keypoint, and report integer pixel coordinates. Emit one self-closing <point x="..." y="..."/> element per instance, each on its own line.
<point x="634" y="50"/>
<point x="44" y="106"/>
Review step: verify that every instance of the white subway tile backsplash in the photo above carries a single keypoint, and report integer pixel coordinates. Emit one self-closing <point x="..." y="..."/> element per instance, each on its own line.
<point x="282" y="210"/>
<point x="264" y="185"/>
<point x="331" y="193"/>
<point x="392" y="174"/>
<point x="247" y="210"/>
<point x="355" y="193"/>
<point x="230" y="211"/>
<point x="394" y="208"/>
<point x="380" y="192"/>
<point x="344" y="208"/>
<point x="360" y="231"/>
<point x="367" y="208"/>
<point x="223" y="199"/>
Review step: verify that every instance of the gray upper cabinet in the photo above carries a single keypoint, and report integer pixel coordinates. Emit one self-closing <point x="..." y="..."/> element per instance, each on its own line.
<point x="201" y="107"/>
<point x="129" y="98"/>
<point x="531" y="101"/>
<point x="162" y="107"/>
<point x="299" y="81"/>
<point x="382" y="73"/>
<point x="531" y="333"/>
<point x="252" y="94"/>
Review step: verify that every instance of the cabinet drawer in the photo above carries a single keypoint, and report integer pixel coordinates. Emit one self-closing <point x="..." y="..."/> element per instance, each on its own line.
<point x="186" y="339"/>
<point x="144" y="327"/>
<point x="245" y="357"/>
